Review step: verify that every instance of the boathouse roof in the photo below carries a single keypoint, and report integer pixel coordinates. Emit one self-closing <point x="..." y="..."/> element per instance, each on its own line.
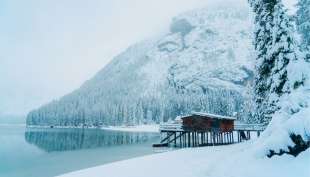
<point x="209" y="116"/>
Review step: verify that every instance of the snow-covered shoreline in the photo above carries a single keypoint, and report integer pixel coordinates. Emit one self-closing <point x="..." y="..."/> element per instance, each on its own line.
<point x="154" y="128"/>
<point x="139" y="128"/>
<point x="237" y="160"/>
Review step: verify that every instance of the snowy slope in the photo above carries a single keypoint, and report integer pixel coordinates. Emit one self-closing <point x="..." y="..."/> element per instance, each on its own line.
<point x="221" y="161"/>
<point x="202" y="64"/>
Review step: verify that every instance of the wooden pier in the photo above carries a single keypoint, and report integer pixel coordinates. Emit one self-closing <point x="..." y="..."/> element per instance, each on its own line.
<point x="181" y="135"/>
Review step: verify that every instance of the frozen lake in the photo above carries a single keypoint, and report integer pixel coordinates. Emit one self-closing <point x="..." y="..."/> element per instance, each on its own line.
<point x="48" y="152"/>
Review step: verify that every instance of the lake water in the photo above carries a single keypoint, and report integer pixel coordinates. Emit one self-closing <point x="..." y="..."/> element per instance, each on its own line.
<point x="49" y="152"/>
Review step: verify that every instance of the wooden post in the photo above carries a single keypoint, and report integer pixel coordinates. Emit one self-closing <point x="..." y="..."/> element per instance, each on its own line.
<point x="175" y="139"/>
<point x="180" y="139"/>
<point x="220" y="138"/>
<point x="193" y="136"/>
<point x="258" y="133"/>
<point x="214" y="138"/>
<point x="210" y="137"/>
<point x="238" y="136"/>
<point x="189" y="139"/>
<point x="197" y="138"/>
<point x="215" y="135"/>
<point x="225" y="138"/>
<point x="185" y="142"/>
<point x="207" y="138"/>
<point x="232" y="136"/>
<point x="249" y="134"/>
<point x="203" y="138"/>
<point x="179" y="144"/>
<point x="168" y="134"/>
<point x="184" y="139"/>
<point x="249" y="137"/>
<point x="193" y="139"/>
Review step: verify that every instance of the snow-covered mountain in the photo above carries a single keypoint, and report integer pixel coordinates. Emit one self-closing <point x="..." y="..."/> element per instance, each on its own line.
<point x="203" y="63"/>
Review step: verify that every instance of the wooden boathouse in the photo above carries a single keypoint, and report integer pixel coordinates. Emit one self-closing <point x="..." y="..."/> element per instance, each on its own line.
<point x="204" y="129"/>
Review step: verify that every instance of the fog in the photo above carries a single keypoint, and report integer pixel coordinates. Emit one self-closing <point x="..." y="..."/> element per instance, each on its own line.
<point x="49" y="48"/>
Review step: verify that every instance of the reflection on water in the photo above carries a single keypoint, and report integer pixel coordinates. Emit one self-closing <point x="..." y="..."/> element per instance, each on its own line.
<point x="51" y="152"/>
<point x="73" y="139"/>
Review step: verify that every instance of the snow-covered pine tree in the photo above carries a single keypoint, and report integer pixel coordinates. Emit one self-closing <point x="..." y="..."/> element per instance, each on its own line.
<point x="303" y="25"/>
<point x="248" y="106"/>
<point x="303" y="22"/>
<point x="263" y="11"/>
<point x="289" y="97"/>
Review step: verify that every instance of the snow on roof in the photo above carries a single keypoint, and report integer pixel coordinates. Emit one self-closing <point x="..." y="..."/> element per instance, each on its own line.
<point x="178" y="118"/>
<point x="213" y="116"/>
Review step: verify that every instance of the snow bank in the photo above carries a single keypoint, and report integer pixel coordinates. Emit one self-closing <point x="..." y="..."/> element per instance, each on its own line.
<point x="293" y="118"/>
<point x="221" y="161"/>
<point x="138" y="128"/>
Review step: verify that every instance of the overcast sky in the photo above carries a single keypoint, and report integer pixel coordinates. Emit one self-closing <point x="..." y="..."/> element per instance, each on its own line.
<point x="50" y="47"/>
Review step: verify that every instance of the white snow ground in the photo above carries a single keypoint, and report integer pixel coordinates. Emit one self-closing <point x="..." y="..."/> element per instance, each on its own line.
<point x="221" y="161"/>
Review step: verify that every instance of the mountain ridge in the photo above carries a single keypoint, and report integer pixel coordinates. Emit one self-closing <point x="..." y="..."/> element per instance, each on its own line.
<point x="202" y="64"/>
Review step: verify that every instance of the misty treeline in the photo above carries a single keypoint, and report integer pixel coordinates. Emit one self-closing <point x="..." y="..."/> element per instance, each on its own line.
<point x="117" y="110"/>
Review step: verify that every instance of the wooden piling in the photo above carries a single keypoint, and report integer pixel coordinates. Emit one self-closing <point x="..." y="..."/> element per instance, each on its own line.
<point x="232" y="135"/>
<point x="189" y="139"/>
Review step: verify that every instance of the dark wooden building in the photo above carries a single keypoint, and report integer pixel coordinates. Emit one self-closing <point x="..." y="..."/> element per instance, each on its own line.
<point x="204" y="129"/>
<point x="198" y="121"/>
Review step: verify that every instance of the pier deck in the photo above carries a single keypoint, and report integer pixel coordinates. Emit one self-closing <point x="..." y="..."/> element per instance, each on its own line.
<point x="174" y="134"/>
